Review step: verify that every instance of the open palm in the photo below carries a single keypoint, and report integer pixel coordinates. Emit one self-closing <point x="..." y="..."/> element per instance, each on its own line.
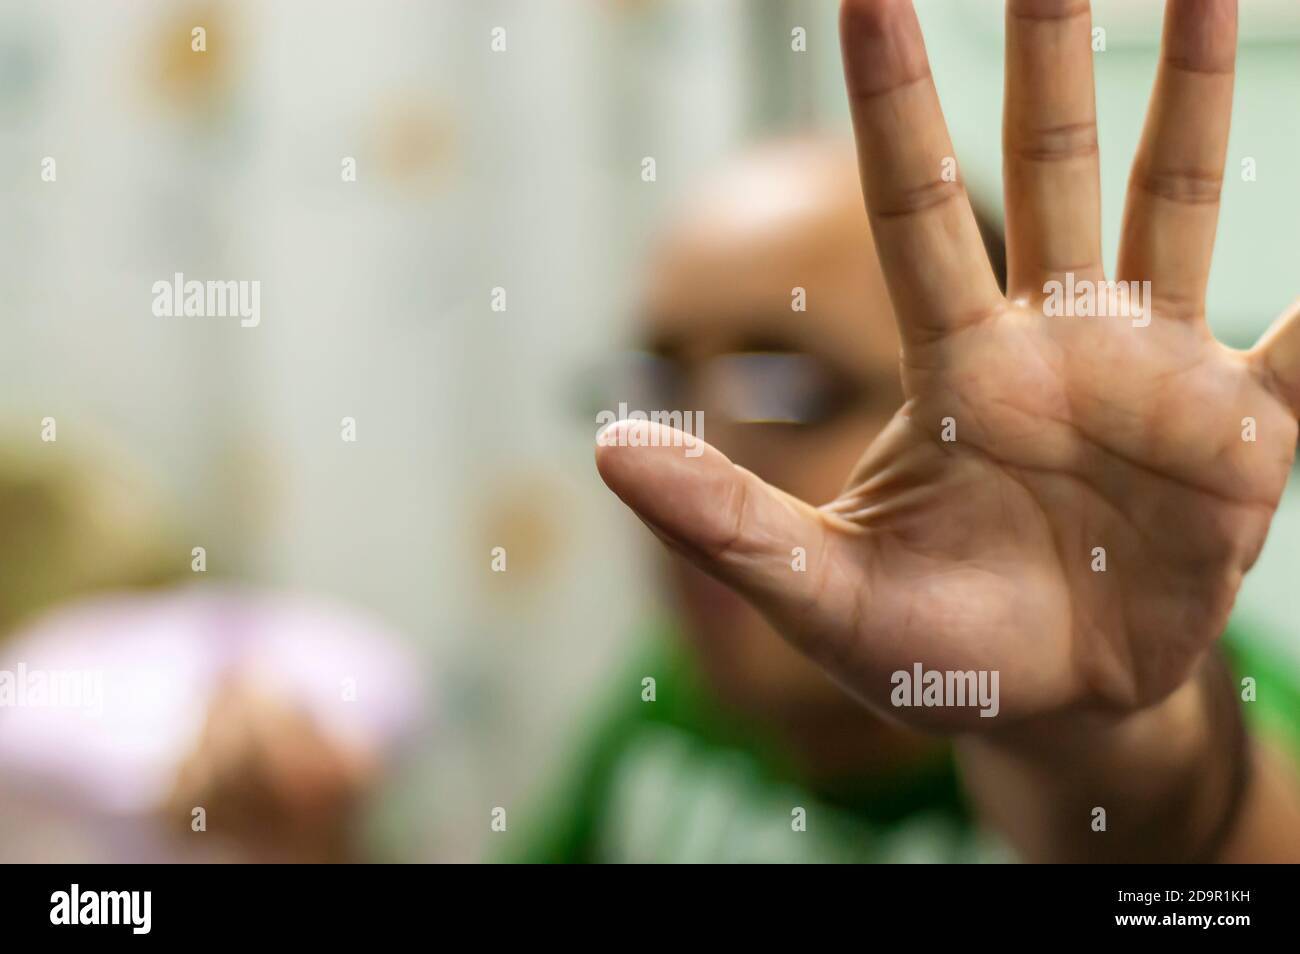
<point x="1068" y="501"/>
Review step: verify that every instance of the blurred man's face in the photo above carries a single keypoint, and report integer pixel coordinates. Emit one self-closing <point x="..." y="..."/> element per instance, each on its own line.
<point x="793" y="395"/>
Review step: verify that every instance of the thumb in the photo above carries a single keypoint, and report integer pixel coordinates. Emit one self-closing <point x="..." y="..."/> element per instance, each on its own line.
<point x="772" y="548"/>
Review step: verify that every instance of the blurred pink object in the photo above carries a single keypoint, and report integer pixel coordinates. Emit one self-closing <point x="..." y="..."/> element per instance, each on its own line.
<point x="158" y="659"/>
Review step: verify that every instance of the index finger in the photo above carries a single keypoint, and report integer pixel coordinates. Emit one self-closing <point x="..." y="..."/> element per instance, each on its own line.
<point x="930" y="249"/>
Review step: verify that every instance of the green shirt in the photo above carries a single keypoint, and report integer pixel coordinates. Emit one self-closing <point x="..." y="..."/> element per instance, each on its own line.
<point x="672" y="780"/>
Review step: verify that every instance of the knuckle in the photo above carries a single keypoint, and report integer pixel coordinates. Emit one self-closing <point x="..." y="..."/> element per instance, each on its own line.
<point x="1185" y="186"/>
<point x="1056" y="143"/>
<point x="912" y="200"/>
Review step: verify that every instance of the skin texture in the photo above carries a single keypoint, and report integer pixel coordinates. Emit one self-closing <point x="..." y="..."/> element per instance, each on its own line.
<point x="1070" y="434"/>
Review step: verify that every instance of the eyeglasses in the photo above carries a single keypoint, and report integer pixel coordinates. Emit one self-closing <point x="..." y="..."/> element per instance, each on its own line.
<point x="751" y="387"/>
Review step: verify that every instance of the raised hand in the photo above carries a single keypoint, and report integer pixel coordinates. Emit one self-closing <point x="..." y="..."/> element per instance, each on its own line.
<point x="1069" y="501"/>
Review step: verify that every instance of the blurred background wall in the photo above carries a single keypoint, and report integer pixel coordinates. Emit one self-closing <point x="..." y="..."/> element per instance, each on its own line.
<point x="518" y="169"/>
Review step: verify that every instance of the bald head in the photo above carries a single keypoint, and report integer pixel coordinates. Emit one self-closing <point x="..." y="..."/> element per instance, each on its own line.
<point x="786" y="216"/>
<point x="792" y="183"/>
